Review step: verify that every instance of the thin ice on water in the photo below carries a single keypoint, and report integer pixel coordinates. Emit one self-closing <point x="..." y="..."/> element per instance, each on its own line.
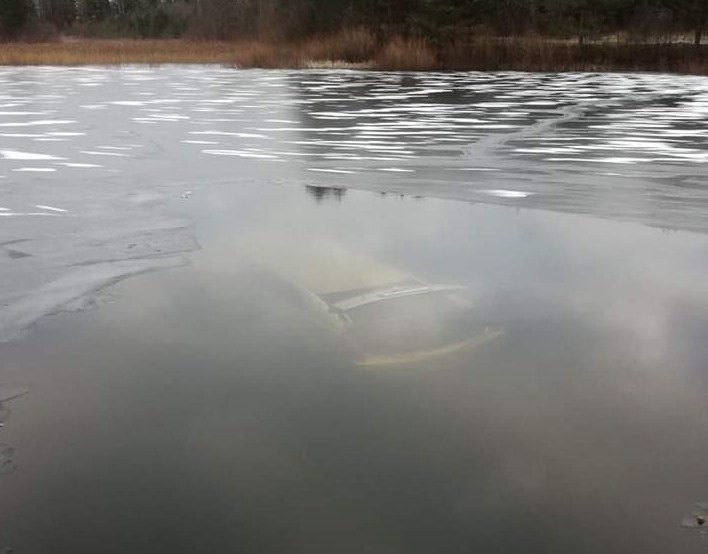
<point x="698" y="519"/>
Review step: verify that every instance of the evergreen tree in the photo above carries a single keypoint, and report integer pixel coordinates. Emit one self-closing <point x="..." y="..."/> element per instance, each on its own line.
<point x="14" y="16"/>
<point x="94" y="10"/>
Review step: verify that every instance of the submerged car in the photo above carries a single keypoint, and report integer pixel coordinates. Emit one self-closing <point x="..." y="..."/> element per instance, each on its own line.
<point x="407" y="322"/>
<point x="383" y="315"/>
<point x="402" y="322"/>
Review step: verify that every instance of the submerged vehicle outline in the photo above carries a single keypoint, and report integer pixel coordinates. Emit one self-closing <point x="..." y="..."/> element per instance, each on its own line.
<point x="340" y="309"/>
<point x="382" y="314"/>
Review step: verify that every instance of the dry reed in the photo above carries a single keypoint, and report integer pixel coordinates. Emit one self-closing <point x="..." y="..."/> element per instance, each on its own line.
<point x="405" y="54"/>
<point x="116" y="52"/>
<point x="351" y="46"/>
<point x="359" y="49"/>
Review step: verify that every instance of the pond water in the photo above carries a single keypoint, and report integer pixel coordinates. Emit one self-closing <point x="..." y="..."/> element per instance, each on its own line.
<point x="329" y="311"/>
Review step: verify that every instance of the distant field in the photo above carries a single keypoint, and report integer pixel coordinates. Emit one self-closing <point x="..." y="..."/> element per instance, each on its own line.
<point x="356" y="49"/>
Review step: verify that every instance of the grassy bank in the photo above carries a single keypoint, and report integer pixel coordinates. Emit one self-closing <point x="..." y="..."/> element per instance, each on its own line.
<point x="358" y="49"/>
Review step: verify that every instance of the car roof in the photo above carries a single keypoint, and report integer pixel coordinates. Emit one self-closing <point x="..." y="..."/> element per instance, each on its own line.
<point x="390" y="293"/>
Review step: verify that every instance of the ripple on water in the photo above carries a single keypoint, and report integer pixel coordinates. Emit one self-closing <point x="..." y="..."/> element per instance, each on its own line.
<point x="532" y="140"/>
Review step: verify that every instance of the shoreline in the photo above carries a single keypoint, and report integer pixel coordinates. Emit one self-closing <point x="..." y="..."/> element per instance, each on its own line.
<point x="481" y="54"/>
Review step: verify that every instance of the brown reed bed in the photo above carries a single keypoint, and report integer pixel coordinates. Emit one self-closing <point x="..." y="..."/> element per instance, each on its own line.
<point x="360" y="49"/>
<point x="241" y="53"/>
<point x="116" y="52"/>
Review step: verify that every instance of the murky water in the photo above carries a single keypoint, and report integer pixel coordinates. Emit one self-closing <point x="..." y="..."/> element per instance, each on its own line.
<point x="366" y="312"/>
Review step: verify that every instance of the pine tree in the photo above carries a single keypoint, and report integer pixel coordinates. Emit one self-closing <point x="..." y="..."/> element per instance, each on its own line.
<point x="14" y="15"/>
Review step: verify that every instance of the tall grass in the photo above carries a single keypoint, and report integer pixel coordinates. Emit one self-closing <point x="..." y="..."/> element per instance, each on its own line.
<point x="115" y="52"/>
<point x="406" y="54"/>
<point x="359" y="48"/>
<point x="349" y="46"/>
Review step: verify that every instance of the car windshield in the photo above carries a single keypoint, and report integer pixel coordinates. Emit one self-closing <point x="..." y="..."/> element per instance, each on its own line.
<point x="411" y="323"/>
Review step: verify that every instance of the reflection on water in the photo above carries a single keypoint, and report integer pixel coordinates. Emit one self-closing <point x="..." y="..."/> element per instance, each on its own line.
<point x="209" y="407"/>
<point x="319" y="368"/>
<point x="325" y="193"/>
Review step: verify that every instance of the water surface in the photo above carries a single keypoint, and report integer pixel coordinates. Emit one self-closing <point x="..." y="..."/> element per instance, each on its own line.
<point x="204" y="406"/>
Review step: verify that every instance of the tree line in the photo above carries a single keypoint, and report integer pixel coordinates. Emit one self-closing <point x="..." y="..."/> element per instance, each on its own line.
<point x="432" y="20"/>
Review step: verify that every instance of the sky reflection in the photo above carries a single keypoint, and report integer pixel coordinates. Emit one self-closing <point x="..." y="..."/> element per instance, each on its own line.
<point x="208" y="409"/>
